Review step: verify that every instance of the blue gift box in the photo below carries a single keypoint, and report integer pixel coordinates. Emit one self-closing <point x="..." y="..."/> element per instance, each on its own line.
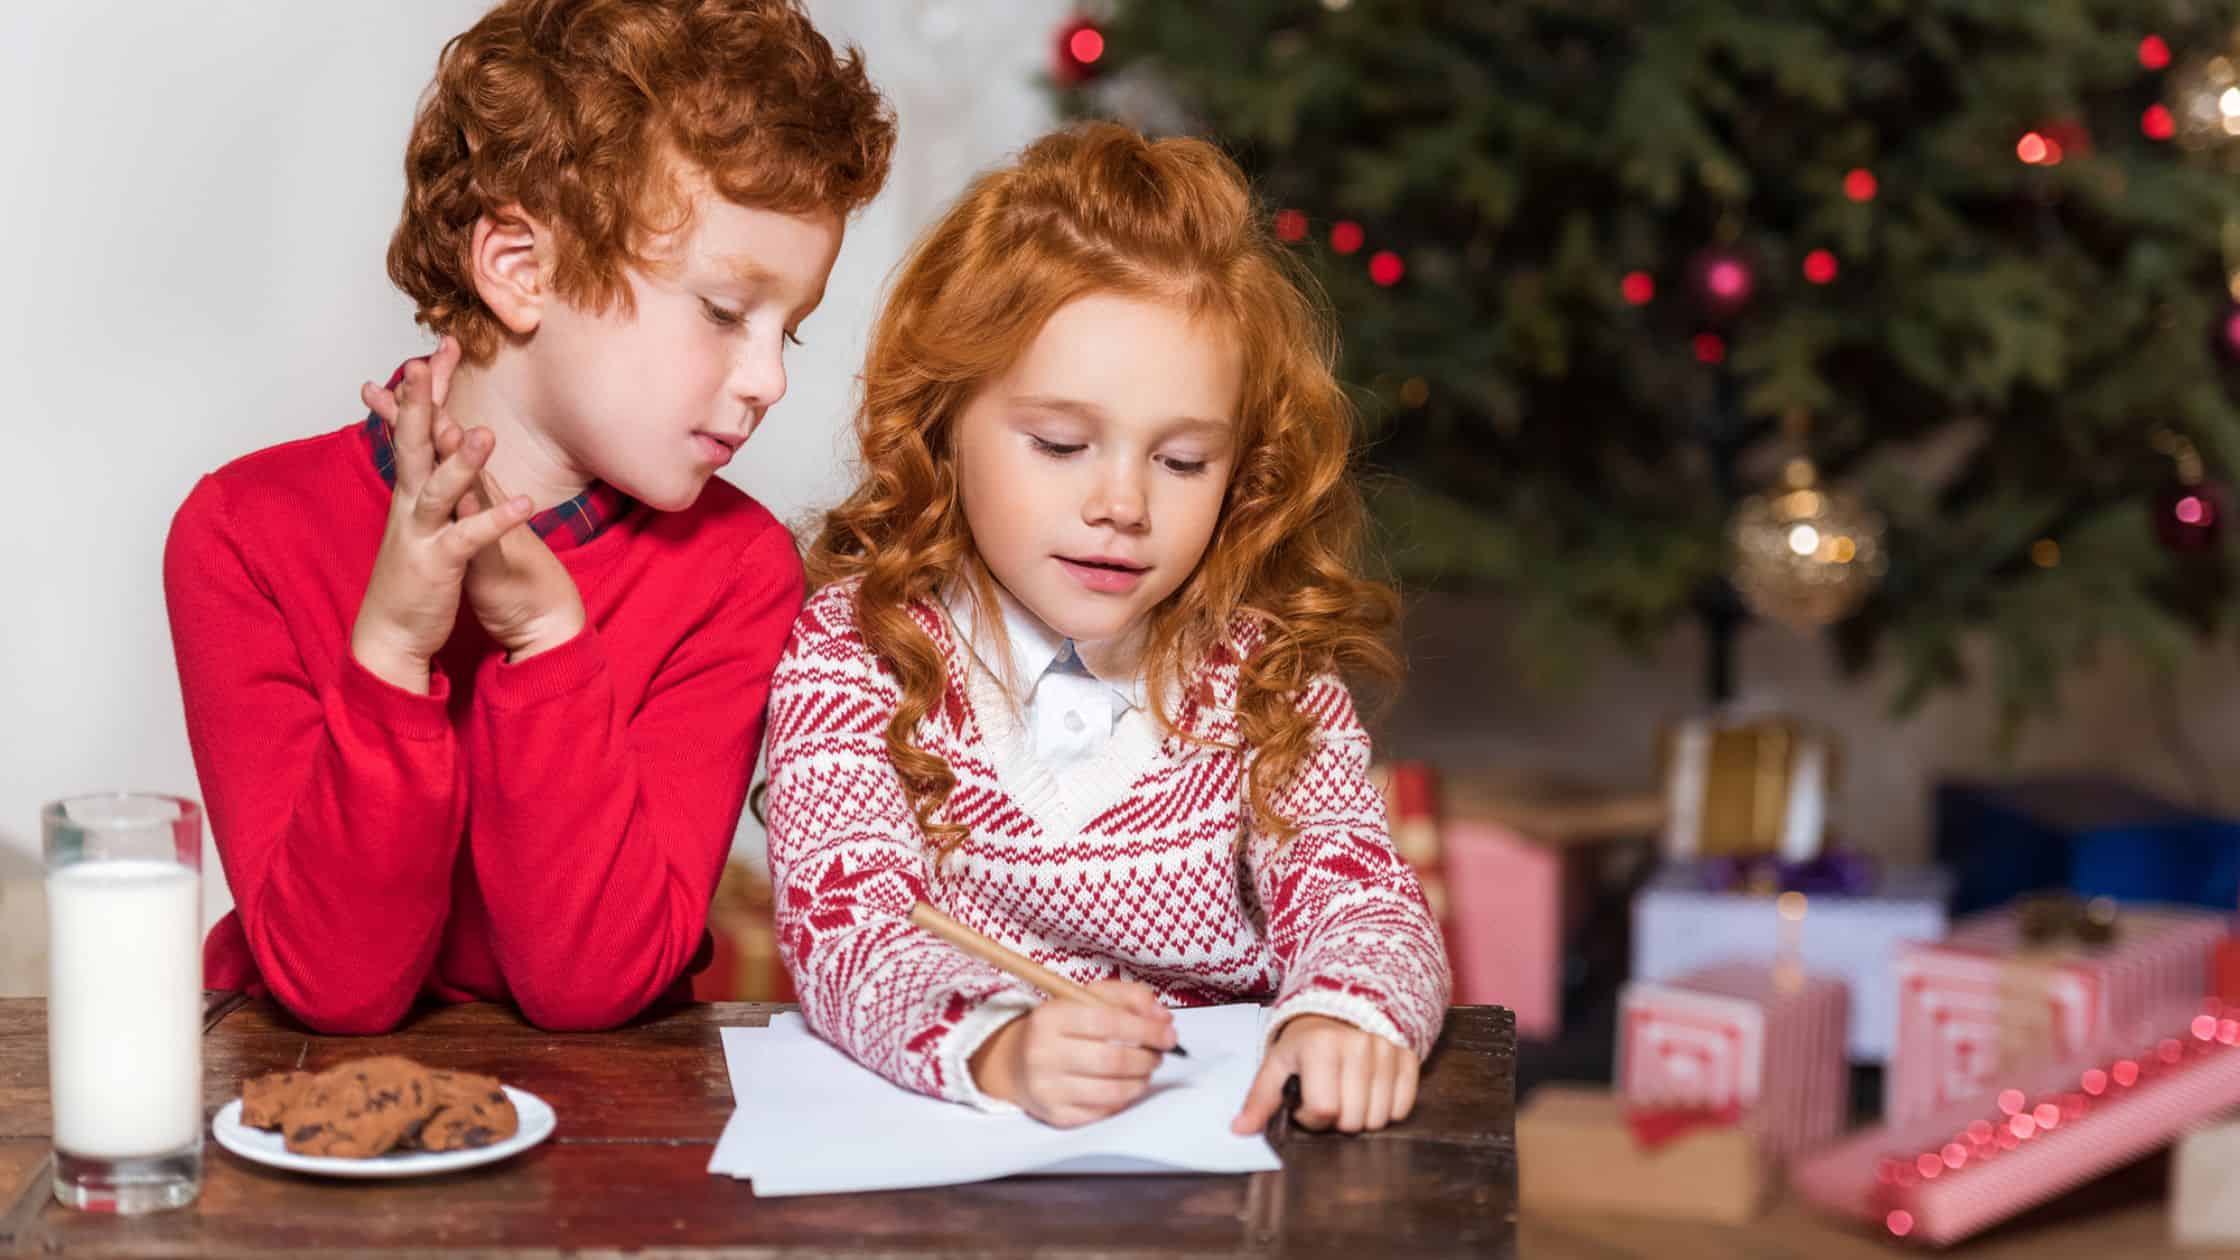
<point x="2094" y="836"/>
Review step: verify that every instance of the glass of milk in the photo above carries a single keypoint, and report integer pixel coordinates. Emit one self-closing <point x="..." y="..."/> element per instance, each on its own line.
<point x="124" y="1000"/>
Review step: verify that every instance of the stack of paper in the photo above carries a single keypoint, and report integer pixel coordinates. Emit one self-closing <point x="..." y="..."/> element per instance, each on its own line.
<point x="809" y="1120"/>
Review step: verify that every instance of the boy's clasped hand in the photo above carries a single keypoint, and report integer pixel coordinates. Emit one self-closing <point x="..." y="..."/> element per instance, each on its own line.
<point x="451" y="531"/>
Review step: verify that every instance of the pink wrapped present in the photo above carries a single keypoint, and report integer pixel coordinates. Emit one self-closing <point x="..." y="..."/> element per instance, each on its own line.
<point x="1985" y="1002"/>
<point x="1950" y="1173"/>
<point x="1766" y="1040"/>
<point x="1510" y="871"/>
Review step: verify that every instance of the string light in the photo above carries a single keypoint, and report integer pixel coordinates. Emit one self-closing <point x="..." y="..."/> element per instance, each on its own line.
<point x="2158" y="123"/>
<point x="1386" y="268"/>
<point x="1710" y="348"/>
<point x="1346" y="236"/>
<point x="1291" y="225"/>
<point x="1860" y="184"/>
<point x="1820" y="267"/>
<point x="1638" y="288"/>
<point x="2154" y="52"/>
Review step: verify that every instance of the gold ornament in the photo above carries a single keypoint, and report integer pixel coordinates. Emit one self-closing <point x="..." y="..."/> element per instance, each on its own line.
<point x="2205" y="101"/>
<point x="1805" y="555"/>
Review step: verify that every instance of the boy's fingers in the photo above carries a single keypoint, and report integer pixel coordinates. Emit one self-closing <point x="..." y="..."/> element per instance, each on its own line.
<point x="441" y="365"/>
<point x="379" y="401"/>
<point x="1266" y="1094"/>
<point x="409" y="430"/>
<point x="438" y="500"/>
<point x="464" y="538"/>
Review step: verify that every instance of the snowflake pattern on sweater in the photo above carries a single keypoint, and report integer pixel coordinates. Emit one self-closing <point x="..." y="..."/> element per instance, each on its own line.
<point x="1140" y="864"/>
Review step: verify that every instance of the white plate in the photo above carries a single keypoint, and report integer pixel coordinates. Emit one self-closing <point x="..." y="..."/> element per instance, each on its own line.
<point x="537" y="1123"/>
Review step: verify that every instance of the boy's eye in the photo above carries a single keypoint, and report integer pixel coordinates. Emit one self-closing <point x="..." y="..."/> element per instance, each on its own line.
<point x="1057" y="449"/>
<point x="721" y="317"/>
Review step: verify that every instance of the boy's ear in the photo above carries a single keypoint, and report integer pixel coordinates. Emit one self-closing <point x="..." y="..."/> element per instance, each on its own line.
<point x="509" y="258"/>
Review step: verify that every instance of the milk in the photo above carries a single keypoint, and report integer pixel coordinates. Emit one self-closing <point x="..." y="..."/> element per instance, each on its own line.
<point x="124" y="1007"/>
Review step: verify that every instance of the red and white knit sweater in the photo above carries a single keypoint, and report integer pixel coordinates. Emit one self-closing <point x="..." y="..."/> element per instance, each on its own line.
<point x="1130" y="867"/>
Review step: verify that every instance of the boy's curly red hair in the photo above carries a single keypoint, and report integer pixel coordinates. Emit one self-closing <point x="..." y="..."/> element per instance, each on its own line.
<point x="1098" y="208"/>
<point x="587" y="114"/>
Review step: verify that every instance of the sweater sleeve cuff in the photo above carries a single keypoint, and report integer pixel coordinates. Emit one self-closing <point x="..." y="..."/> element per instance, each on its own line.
<point x="562" y="671"/>
<point x="1352" y="1008"/>
<point x="406" y="714"/>
<point x="965" y="1040"/>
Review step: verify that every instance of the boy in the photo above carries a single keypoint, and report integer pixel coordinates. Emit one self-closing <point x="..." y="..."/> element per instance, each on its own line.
<point x="474" y="686"/>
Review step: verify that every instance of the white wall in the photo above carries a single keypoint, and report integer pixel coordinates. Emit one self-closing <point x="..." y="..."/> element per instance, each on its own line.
<point x="196" y="203"/>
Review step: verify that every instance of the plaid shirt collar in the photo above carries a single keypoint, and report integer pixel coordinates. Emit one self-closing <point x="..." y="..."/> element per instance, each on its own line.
<point x="569" y="524"/>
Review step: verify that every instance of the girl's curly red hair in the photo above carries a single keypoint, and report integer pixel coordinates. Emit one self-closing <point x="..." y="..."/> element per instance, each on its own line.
<point x="1098" y="208"/>
<point x="589" y="114"/>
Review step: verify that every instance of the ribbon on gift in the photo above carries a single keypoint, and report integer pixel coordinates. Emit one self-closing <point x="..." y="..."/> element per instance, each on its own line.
<point x="1835" y="873"/>
<point x="1653" y="1127"/>
<point x="2056" y="929"/>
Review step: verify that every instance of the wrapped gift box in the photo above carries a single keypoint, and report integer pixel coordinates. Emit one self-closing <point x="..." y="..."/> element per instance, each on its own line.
<point x="1987" y="1001"/>
<point x="1741" y="787"/>
<point x="2094" y="836"/>
<point x="742" y="943"/>
<point x="1680" y="923"/>
<point x="1576" y="1153"/>
<point x="1515" y="856"/>
<point x="1766" y="1040"/>
<point x="1952" y="1172"/>
<point x="2205" y="1186"/>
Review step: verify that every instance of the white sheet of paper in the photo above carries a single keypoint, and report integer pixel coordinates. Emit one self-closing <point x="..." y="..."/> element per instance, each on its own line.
<point x="810" y="1120"/>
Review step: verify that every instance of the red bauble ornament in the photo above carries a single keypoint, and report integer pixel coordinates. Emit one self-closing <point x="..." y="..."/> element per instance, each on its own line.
<point x="1079" y="55"/>
<point x="2188" y="517"/>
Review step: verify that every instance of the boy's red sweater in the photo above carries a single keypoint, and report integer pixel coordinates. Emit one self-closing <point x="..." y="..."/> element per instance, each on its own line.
<point x="547" y="833"/>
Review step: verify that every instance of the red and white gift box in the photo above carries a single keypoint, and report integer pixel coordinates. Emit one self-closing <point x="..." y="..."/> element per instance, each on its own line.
<point x="1766" y="1041"/>
<point x="1952" y="1172"/>
<point x="1983" y="1002"/>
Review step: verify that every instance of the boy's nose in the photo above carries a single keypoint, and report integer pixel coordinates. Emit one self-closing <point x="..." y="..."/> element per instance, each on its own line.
<point x="759" y="378"/>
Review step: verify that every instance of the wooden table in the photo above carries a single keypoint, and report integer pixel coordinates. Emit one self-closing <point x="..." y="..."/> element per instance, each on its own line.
<point x="640" y="1110"/>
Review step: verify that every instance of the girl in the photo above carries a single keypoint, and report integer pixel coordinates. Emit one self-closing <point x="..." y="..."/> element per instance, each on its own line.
<point x="1072" y="672"/>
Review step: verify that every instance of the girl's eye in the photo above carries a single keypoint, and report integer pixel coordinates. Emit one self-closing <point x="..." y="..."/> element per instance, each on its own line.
<point x="1057" y="450"/>
<point x="720" y="317"/>
<point x="1184" y="467"/>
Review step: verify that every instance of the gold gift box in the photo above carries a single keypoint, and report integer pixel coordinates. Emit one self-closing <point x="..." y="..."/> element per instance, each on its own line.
<point x="1744" y="788"/>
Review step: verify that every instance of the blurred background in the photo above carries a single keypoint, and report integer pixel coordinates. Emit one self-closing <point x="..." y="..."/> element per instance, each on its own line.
<point x="1803" y="431"/>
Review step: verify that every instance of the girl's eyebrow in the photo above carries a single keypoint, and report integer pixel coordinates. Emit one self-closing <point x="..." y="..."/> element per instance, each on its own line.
<point x="1089" y="411"/>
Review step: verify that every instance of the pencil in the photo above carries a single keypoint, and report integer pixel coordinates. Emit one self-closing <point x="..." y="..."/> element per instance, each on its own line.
<point x="1011" y="962"/>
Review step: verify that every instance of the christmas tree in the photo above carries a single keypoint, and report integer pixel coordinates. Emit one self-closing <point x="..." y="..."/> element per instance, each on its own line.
<point x="1915" y="318"/>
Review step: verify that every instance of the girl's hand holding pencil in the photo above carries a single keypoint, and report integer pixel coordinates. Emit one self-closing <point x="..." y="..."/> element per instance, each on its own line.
<point x="1083" y="1055"/>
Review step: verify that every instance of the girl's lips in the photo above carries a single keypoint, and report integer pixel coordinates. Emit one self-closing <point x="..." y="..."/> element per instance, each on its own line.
<point x="1101" y="579"/>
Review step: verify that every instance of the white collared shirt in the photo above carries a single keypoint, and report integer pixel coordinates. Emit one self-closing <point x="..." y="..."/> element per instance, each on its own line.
<point x="1067" y="712"/>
